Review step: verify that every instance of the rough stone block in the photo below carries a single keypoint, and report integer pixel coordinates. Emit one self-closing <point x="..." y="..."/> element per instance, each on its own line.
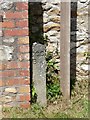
<point x="6" y="52"/>
<point x="11" y="90"/>
<point x="9" y="40"/>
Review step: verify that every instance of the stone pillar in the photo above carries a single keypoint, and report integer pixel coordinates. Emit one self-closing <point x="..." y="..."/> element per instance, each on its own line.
<point x="14" y="55"/>
<point x="39" y="72"/>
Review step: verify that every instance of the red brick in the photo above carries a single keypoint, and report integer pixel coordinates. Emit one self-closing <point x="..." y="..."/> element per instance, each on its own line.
<point x="12" y="65"/>
<point x="25" y="56"/>
<point x="21" y="6"/>
<point x="24" y="48"/>
<point x="16" y="81"/>
<point x="22" y="23"/>
<point x="0" y="74"/>
<point x="24" y="64"/>
<point x="16" y="15"/>
<point x="8" y="65"/>
<point x="24" y="81"/>
<point x="24" y="97"/>
<point x="27" y="82"/>
<point x="24" y="73"/>
<point x="8" y="73"/>
<point x="25" y="105"/>
<point x="12" y="82"/>
<point x="8" y="24"/>
<point x="1" y="83"/>
<point x="16" y="32"/>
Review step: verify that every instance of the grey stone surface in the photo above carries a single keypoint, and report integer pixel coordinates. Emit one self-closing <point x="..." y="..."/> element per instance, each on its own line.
<point x="39" y="72"/>
<point x="5" y="5"/>
<point x="8" y="40"/>
<point x="0" y="33"/>
<point x="6" y="52"/>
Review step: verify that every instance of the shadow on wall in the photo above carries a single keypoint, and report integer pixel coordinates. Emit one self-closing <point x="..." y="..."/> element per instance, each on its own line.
<point x="36" y="22"/>
<point x="73" y="44"/>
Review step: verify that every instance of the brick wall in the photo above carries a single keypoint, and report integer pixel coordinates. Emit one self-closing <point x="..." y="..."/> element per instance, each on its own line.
<point x="14" y="56"/>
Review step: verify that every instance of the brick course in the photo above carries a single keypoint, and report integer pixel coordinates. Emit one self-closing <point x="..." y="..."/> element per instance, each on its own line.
<point x="14" y="32"/>
<point x="8" y="24"/>
<point x="22" y="23"/>
<point x="22" y="6"/>
<point x="16" y="15"/>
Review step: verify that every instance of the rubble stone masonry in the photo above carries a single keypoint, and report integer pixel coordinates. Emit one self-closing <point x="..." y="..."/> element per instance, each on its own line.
<point x="80" y="43"/>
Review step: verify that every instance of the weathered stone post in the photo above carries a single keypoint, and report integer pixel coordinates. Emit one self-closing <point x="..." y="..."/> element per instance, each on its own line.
<point x="39" y="72"/>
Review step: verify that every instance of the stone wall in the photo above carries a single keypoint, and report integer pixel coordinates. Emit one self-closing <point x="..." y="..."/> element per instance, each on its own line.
<point x="83" y="42"/>
<point x="14" y="55"/>
<point x="51" y="21"/>
<point x="51" y="27"/>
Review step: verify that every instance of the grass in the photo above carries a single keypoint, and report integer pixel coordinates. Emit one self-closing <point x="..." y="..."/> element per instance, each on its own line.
<point x="77" y="107"/>
<point x="78" y="110"/>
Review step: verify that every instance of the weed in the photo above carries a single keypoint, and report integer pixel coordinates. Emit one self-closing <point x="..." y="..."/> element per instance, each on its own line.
<point x="87" y="55"/>
<point x="52" y="77"/>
